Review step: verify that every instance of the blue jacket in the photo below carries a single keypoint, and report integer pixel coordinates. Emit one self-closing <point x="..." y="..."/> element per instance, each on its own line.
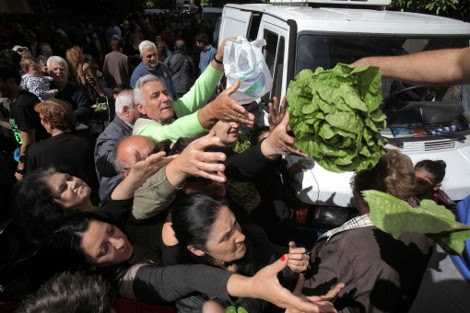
<point x="161" y="72"/>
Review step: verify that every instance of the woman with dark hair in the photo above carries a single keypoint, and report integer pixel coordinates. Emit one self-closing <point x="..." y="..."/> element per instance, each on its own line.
<point x="208" y="233"/>
<point x="45" y="195"/>
<point x="85" y="241"/>
<point x="429" y="176"/>
<point x="381" y="273"/>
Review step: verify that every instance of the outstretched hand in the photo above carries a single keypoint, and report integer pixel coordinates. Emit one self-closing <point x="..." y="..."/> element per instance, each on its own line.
<point x="276" y="112"/>
<point x="139" y="173"/>
<point x="317" y="299"/>
<point x="298" y="258"/>
<point x="224" y="108"/>
<point x="279" y="142"/>
<point x="195" y="161"/>
<point x="146" y="168"/>
<point x="265" y="285"/>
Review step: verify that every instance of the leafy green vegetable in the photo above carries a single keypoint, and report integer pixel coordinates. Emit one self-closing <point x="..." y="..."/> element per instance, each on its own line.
<point x="233" y="309"/>
<point x="395" y="216"/>
<point x="100" y="107"/>
<point x="335" y="116"/>
<point x="242" y="144"/>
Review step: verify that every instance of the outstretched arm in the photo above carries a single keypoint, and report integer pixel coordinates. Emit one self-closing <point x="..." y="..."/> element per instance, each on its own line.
<point x="436" y="67"/>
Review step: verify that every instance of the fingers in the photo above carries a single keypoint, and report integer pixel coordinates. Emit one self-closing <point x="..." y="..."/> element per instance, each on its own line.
<point x="299" y="286"/>
<point x="232" y="88"/>
<point x="333" y="292"/>
<point x="205" y="142"/>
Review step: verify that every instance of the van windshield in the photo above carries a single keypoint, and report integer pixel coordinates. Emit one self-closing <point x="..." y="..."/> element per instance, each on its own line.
<point x="412" y="111"/>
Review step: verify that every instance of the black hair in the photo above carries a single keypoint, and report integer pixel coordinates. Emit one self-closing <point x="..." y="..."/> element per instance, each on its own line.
<point x="192" y="220"/>
<point x="65" y="244"/>
<point x="35" y="207"/>
<point x="73" y="293"/>
<point x="436" y="169"/>
<point x="9" y="70"/>
<point x="202" y="37"/>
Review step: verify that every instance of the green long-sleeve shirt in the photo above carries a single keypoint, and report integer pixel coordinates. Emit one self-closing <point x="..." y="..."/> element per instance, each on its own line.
<point x="186" y="107"/>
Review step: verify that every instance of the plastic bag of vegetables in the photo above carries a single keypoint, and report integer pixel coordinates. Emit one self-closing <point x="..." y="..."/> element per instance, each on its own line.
<point x="335" y="116"/>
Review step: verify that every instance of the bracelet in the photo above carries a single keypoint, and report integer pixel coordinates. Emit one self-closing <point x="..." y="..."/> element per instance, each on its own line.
<point x="217" y="61"/>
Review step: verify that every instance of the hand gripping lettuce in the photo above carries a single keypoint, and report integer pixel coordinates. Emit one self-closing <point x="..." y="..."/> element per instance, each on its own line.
<point x="395" y="216"/>
<point x="335" y="116"/>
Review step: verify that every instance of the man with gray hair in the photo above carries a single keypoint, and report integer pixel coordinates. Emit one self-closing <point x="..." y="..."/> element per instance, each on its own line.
<point x="108" y="140"/>
<point x="151" y="65"/>
<point x="194" y="117"/>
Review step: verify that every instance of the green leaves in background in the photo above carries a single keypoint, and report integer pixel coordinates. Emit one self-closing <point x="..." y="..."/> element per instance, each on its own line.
<point x="335" y="116"/>
<point x="395" y="216"/>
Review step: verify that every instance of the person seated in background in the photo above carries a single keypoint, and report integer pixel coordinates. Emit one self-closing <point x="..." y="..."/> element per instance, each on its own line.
<point x="34" y="81"/>
<point x="63" y="150"/>
<point x="429" y="176"/>
<point x="108" y="139"/>
<point x="382" y="274"/>
<point x="73" y="94"/>
<point x="78" y="292"/>
<point x="208" y="233"/>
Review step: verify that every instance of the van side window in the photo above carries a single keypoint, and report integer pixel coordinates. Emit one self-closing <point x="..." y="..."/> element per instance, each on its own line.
<point x="274" y="55"/>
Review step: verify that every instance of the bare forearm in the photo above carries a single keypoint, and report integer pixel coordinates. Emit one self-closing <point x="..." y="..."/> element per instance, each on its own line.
<point x="437" y="67"/>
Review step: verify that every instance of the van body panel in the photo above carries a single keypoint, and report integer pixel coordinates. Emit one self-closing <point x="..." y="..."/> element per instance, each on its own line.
<point x="320" y="36"/>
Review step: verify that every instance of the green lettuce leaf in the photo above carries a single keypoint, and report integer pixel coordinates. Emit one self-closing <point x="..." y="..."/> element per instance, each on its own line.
<point x="335" y="116"/>
<point x="395" y="216"/>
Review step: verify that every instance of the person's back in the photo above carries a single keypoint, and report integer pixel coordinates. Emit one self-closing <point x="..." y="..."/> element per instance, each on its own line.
<point x="182" y="69"/>
<point x="382" y="274"/>
<point x="116" y="66"/>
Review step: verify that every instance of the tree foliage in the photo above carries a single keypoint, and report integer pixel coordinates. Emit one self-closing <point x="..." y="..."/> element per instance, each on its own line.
<point x="459" y="9"/>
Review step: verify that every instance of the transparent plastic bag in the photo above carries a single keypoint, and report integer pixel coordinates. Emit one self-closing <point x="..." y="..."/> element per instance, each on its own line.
<point x="244" y="61"/>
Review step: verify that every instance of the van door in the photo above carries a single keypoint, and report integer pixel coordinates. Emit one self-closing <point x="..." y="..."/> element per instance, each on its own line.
<point x="234" y="23"/>
<point x="276" y="34"/>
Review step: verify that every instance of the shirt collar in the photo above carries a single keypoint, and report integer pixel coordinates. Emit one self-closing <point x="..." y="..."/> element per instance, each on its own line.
<point x="360" y="221"/>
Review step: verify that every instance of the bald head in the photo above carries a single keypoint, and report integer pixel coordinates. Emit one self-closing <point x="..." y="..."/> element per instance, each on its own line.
<point x="132" y="150"/>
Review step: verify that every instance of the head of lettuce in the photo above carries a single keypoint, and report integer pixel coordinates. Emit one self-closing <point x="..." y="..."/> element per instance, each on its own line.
<point x="335" y="116"/>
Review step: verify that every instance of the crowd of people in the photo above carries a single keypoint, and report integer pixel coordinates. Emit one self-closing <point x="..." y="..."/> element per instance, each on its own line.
<point x="160" y="206"/>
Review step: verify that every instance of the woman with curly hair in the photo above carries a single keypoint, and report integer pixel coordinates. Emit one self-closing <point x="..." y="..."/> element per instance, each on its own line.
<point x="382" y="274"/>
<point x="83" y="73"/>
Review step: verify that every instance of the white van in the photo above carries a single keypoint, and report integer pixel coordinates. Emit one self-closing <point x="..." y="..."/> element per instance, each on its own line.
<point x="322" y="33"/>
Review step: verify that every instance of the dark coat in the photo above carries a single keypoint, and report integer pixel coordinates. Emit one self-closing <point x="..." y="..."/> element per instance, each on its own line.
<point x="382" y="274"/>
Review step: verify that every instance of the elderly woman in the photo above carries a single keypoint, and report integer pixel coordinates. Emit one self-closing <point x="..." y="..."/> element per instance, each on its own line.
<point x="73" y="94"/>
